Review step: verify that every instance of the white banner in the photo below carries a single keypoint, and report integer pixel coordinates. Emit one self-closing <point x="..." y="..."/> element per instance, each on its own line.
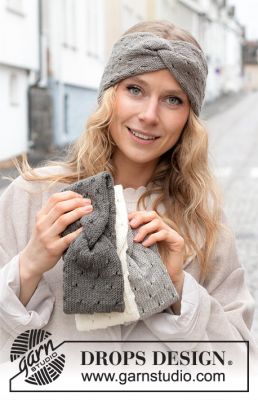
<point x="39" y="365"/>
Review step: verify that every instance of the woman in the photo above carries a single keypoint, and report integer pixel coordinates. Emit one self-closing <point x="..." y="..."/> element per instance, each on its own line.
<point x="146" y="132"/>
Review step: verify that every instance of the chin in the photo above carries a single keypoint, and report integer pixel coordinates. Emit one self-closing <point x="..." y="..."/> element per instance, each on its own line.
<point x="140" y="160"/>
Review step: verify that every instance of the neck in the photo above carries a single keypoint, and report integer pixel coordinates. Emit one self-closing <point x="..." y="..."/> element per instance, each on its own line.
<point x="133" y="175"/>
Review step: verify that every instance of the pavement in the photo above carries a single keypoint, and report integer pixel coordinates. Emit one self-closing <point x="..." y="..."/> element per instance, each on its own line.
<point x="232" y="122"/>
<point x="233" y="140"/>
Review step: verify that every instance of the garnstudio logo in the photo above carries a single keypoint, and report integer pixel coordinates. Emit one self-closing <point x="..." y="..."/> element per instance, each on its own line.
<point x="38" y="357"/>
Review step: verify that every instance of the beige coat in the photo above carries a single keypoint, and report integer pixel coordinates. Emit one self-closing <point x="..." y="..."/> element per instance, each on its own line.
<point x="220" y="308"/>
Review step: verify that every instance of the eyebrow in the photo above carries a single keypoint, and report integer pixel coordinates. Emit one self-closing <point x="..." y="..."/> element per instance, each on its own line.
<point x="167" y="91"/>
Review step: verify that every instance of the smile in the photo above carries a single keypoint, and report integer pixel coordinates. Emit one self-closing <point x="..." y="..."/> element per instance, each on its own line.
<point x="141" y="136"/>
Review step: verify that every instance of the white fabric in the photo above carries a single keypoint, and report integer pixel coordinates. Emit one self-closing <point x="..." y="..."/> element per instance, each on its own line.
<point x="15" y="316"/>
<point x="87" y="322"/>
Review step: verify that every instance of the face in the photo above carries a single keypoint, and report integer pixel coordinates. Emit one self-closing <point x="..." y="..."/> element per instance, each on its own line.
<point x="150" y="113"/>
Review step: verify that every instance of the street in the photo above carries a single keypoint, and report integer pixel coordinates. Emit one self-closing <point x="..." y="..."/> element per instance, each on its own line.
<point x="233" y="135"/>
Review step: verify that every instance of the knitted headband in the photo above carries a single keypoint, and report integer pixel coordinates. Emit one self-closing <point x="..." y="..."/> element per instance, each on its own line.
<point x="141" y="52"/>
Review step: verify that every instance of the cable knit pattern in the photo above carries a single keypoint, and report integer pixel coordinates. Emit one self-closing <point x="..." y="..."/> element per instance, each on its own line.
<point x="93" y="278"/>
<point x="141" y="52"/>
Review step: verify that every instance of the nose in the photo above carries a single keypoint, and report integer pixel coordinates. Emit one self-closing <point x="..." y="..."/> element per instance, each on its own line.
<point x="149" y="112"/>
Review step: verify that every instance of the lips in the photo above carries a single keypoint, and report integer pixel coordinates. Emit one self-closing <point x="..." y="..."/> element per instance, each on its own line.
<point x="143" y="136"/>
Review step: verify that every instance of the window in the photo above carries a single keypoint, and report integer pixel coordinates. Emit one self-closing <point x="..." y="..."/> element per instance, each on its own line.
<point x="92" y="28"/>
<point x="14" y="90"/>
<point x="69" y="24"/>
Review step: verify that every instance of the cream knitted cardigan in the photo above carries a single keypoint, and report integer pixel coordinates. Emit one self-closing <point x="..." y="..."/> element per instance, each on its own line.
<point x="219" y="308"/>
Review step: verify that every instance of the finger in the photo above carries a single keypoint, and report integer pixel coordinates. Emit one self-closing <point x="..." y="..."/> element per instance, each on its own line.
<point x="57" y="197"/>
<point x="133" y="214"/>
<point x="174" y="241"/>
<point x="63" y="243"/>
<point x="63" y="207"/>
<point x="142" y="217"/>
<point x="66" y="219"/>
<point x="44" y="221"/>
<point x="147" y="229"/>
<point x="156" y="237"/>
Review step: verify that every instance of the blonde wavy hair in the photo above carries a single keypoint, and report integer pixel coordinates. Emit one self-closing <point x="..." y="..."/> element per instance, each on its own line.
<point x="182" y="181"/>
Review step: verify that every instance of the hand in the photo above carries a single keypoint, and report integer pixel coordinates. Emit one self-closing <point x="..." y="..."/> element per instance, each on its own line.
<point x="46" y="246"/>
<point x="151" y="224"/>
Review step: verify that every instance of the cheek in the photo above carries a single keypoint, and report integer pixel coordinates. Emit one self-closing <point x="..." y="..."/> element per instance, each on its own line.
<point x="124" y="110"/>
<point x="183" y="118"/>
<point x="120" y="112"/>
<point x="126" y="107"/>
<point x="116" y="121"/>
<point x="175" y="129"/>
<point x="177" y="124"/>
<point x="113" y="129"/>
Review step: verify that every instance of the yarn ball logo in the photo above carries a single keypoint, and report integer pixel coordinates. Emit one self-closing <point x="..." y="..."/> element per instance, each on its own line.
<point x="38" y="357"/>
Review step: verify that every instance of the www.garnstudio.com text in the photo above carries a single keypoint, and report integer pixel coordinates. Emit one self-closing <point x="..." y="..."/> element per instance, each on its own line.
<point x="178" y="376"/>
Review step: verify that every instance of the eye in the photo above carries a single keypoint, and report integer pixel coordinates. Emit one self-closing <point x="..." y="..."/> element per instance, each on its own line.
<point x="134" y="90"/>
<point x="173" y="101"/>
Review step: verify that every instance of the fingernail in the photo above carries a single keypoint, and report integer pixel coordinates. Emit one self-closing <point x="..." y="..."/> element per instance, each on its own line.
<point x="86" y="201"/>
<point x="88" y="208"/>
<point x="133" y="221"/>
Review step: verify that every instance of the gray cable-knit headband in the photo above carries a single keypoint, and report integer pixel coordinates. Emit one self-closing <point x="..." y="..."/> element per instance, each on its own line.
<point x="137" y="53"/>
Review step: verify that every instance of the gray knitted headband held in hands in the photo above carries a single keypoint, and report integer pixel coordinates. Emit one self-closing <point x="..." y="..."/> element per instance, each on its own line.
<point x="141" y="52"/>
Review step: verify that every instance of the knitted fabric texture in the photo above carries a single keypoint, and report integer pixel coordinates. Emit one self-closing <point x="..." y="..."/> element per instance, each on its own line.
<point x="93" y="278"/>
<point x="148" y="277"/>
<point x="148" y="288"/>
<point x="141" y="52"/>
<point x="87" y="322"/>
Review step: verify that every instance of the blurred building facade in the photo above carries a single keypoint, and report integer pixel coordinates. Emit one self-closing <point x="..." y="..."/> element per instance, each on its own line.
<point x="19" y="66"/>
<point x="66" y="44"/>
<point x="250" y="61"/>
<point x="213" y="24"/>
<point x="74" y="37"/>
